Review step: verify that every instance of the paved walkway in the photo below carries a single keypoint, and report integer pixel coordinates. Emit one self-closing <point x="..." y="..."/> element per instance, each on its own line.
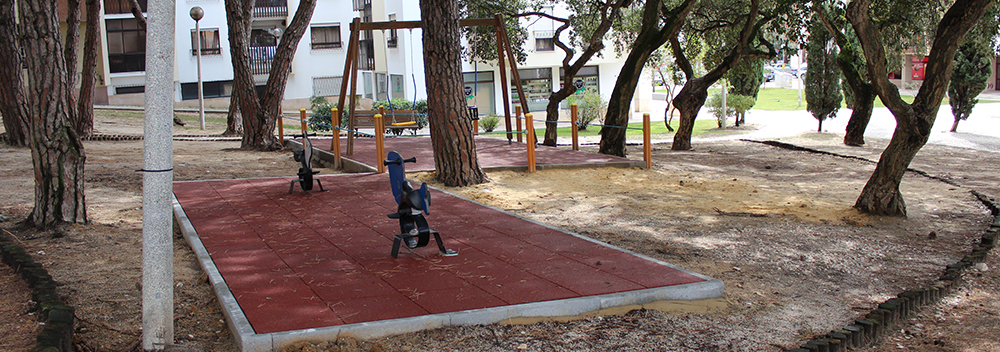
<point x="316" y="265"/>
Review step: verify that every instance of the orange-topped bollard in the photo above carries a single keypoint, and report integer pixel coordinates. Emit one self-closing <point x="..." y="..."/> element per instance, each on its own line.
<point x="379" y="142"/>
<point x="335" y="143"/>
<point x="573" y="127"/>
<point x="531" y="138"/>
<point x="302" y="120"/>
<point x="517" y="116"/>
<point x="647" y="148"/>
<point x="281" y="128"/>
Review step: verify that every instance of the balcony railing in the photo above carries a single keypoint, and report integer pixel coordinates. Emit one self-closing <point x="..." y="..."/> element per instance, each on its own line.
<point x="127" y="62"/>
<point x="260" y="59"/>
<point x="270" y="9"/>
<point x="366" y="56"/>
<point x="121" y="6"/>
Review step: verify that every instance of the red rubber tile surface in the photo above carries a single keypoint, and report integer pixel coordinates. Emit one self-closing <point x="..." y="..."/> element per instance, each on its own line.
<point x="316" y="259"/>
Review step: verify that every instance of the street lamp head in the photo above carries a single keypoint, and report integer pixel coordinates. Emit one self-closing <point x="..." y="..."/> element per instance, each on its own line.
<point x="197" y="13"/>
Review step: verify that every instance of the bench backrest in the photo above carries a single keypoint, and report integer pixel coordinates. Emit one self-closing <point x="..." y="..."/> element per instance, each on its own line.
<point x="366" y="118"/>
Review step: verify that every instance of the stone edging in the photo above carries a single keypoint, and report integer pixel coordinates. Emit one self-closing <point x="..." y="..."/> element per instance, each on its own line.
<point x="57" y="336"/>
<point x="866" y="330"/>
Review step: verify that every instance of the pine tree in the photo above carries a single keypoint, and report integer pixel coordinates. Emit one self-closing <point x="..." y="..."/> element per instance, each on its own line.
<point x="822" y="84"/>
<point x="968" y="79"/>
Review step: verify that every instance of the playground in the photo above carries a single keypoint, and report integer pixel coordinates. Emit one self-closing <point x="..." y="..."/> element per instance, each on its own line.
<point x="807" y="266"/>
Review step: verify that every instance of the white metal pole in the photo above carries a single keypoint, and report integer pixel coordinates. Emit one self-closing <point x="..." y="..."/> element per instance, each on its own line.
<point x="197" y="13"/>
<point x="157" y="178"/>
<point x="725" y="109"/>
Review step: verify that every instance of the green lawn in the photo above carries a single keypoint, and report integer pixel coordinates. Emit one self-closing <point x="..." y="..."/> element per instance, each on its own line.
<point x="776" y="99"/>
<point x="658" y="130"/>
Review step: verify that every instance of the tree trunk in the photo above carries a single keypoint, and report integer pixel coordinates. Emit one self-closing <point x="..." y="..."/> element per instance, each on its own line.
<point x="84" y="123"/>
<point x="552" y="111"/>
<point x="954" y="125"/>
<point x="881" y="194"/>
<point x="820" y="128"/>
<point x="12" y="97"/>
<point x="688" y="101"/>
<point x="650" y="38"/>
<point x="57" y="153"/>
<point x="861" y="114"/>
<point x="234" y="122"/>
<point x="451" y="128"/>
<point x="259" y="113"/>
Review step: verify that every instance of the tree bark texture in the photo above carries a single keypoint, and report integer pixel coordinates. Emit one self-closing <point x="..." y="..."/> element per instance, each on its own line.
<point x="861" y="114"/>
<point x="84" y="123"/>
<point x="688" y="101"/>
<point x="234" y="121"/>
<point x="57" y="153"/>
<point x="881" y="194"/>
<point x="650" y="38"/>
<point x="12" y="99"/>
<point x="455" y="156"/>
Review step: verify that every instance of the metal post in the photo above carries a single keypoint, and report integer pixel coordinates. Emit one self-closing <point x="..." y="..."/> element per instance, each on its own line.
<point x="197" y="13"/>
<point x="157" y="179"/>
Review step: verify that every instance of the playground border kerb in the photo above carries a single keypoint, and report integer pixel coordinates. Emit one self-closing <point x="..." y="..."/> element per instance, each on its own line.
<point x="248" y="340"/>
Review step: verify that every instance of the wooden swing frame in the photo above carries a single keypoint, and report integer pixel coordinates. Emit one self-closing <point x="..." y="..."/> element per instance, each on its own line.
<point x="353" y="50"/>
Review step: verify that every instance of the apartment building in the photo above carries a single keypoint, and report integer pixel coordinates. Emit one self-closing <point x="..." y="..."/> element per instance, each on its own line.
<point x="390" y="61"/>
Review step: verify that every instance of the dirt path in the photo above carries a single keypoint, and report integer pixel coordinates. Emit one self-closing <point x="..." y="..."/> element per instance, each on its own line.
<point x="809" y="264"/>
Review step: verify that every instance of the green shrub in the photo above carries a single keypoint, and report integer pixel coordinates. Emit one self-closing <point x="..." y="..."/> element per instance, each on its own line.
<point x="590" y="107"/>
<point x="489" y="123"/>
<point x="320" y="118"/>
<point x="402" y="104"/>
<point x="736" y="105"/>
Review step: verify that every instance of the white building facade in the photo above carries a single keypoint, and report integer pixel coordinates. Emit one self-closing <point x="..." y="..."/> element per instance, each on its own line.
<point x="390" y="64"/>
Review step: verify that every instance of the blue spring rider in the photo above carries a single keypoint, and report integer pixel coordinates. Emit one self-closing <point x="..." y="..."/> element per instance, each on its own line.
<point x="413" y="228"/>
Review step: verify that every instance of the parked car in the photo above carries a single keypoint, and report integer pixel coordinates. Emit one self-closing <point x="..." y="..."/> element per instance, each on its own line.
<point x="768" y="74"/>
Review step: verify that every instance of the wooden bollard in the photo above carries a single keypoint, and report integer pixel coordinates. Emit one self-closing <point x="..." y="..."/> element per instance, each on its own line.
<point x="335" y="143"/>
<point x="647" y="148"/>
<point x="517" y="116"/>
<point x="302" y="119"/>
<point x="379" y="142"/>
<point x="281" y="128"/>
<point x="531" y="145"/>
<point x="573" y="127"/>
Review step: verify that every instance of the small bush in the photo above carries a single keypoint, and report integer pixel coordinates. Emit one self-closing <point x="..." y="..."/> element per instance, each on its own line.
<point x="736" y="105"/>
<point x="402" y="104"/>
<point x="590" y="107"/>
<point x="489" y="123"/>
<point x="320" y="118"/>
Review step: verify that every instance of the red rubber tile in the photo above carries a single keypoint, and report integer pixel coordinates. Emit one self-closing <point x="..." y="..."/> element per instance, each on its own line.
<point x="294" y="316"/>
<point x="392" y="306"/>
<point x="461" y="298"/>
<point x="580" y="278"/>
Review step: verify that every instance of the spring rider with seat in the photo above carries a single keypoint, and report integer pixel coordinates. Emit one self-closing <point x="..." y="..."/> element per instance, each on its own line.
<point x="413" y="205"/>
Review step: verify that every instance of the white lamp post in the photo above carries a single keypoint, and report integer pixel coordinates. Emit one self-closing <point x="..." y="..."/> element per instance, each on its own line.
<point x="197" y="13"/>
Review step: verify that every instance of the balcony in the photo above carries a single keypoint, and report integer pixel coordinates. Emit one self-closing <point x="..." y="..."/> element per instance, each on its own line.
<point x="121" y="6"/>
<point x="270" y="9"/>
<point x="260" y="59"/>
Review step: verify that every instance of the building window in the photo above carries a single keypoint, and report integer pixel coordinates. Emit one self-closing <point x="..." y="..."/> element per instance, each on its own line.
<point x="130" y="90"/>
<point x="544" y="44"/>
<point x="325" y="37"/>
<point x="327" y="86"/>
<point x="209" y="42"/>
<point x="216" y="89"/>
<point x="126" y="46"/>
